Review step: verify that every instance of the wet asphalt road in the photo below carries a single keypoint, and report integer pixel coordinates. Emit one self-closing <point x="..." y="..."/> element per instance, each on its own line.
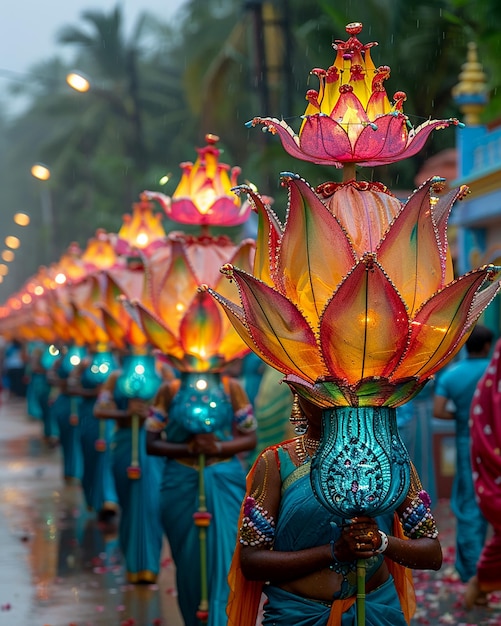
<point x="58" y="568"/>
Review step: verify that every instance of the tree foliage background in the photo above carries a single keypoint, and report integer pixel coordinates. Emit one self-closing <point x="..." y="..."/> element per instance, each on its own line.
<point x="156" y="94"/>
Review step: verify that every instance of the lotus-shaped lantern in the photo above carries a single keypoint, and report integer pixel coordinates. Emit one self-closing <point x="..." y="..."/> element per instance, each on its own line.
<point x="187" y="326"/>
<point x="203" y="196"/>
<point x="357" y="323"/>
<point x="363" y="320"/>
<point x="142" y="231"/>
<point x="350" y="119"/>
<point x="85" y="298"/>
<point x="122" y="285"/>
<point x="100" y="252"/>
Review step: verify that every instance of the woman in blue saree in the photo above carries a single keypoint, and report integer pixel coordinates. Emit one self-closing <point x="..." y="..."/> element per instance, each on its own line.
<point x="96" y="435"/>
<point x="224" y="482"/>
<point x="137" y="486"/>
<point x="304" y="558"/>
<point x="64" y="410"/>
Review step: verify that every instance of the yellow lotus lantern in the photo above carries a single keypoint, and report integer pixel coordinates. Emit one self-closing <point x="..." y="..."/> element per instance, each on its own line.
<point x="100" y="253"/>
<point x="142" y="231"/>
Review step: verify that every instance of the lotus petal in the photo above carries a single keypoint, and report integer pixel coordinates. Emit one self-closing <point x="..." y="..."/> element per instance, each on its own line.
<point x="158" y="334"/>
<point x="201" y="328"/>
<point x="439" y="325"/>
<point x="269" y="231"/>
<point x="410" y="251"/>
<point x="364" y="328"/>
<point x="315" y="252"/>
<point x="276" y="327"/>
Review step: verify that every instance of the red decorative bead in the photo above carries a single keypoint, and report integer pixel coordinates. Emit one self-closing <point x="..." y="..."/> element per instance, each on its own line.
<point x="202" y="616"/>
<point x="202" y="518"/>
<point x="134" y="472"/>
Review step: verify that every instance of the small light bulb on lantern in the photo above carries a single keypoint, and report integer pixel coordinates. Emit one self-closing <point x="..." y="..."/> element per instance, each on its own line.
<point x="201" y="384"/>
<point x="142" y="239"/>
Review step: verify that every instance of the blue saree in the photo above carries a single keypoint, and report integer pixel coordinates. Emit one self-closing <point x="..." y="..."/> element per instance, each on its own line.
<point x="98" y="484"/>
<point x="140" y="531"/>
<point x="224" y="483"/>
<point x="64" y="411"/>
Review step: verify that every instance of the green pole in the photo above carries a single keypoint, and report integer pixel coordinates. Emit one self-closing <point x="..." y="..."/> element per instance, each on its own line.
<point x="361" y="592"/>
<point x="202" y="520"/>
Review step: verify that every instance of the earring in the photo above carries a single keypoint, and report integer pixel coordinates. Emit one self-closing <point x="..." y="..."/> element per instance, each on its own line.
<point x="298" y="418"/>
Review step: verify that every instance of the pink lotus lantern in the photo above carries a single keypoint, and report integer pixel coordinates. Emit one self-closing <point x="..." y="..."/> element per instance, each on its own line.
<point x="350" y="119"/>
<point x="204" y="196"/>
<point x="185" y="325"/>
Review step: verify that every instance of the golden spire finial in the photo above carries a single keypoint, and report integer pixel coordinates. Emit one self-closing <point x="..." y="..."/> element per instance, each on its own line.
<point x="471" y="91"/>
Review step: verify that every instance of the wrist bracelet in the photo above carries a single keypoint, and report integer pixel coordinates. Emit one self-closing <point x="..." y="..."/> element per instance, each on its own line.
<point x="384" y="543"/>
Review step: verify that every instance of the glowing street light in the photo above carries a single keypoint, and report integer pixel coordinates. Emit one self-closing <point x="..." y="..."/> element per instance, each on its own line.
<point x="78" y="81"/>
<point x="8" y="256"/>
<point x="40" y="171"/>
<point x="21" y="219"/>
<point x="12" y="242"/>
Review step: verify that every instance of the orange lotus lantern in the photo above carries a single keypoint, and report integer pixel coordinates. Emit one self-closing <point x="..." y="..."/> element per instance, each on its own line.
<point x="142" y="231"/>
<point x="181" y="322"/>
<point x="101" y="253"/>
<point x="204" y="195"/>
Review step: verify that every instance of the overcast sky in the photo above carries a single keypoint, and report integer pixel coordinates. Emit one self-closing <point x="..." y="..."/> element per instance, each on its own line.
<point x="28" y="28"/>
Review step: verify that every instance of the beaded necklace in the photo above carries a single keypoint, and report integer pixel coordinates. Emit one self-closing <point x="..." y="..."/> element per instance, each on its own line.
<point x="305" y="448"/>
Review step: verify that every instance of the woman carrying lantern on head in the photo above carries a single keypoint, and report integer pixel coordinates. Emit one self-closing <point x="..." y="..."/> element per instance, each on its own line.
<point x="202" y="423"/>
<point x="354" y="300"/>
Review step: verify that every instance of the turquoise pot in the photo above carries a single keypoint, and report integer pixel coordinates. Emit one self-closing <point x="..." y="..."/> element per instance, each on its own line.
<point x="100" y="367"/>
<point x="72" y="357"/>
<point x="139" y="378"/>
<point x="361" y="466"/>
<point x="202" y="403"/>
